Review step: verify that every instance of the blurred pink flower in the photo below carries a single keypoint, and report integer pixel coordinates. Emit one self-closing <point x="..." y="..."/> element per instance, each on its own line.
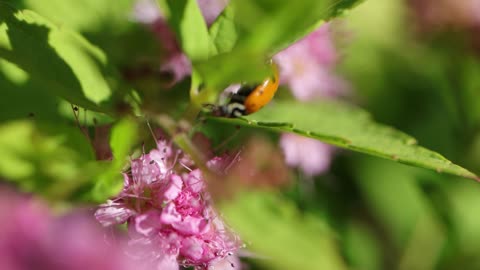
<point x="31" y="238"/>
<point x="311" y="156"/>
<point x="307" y="66"/>
<point x="476" y="11"/>
<point x="443" y="14"/>
<point x="169" y="214"/>
<point x="178" y="65"/>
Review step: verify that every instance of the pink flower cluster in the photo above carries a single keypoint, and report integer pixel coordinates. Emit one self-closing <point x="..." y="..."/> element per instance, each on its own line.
<point x="171" y="221"/>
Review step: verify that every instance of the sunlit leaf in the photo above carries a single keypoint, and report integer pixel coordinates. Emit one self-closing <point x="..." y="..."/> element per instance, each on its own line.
<point x="123" y="137"/>
<point x="84" y="15"/>
<point x="63" y="62"/>
<point x="189" y="24"/>
<point x="223" y="32"/>
<point x="109" y="24"/>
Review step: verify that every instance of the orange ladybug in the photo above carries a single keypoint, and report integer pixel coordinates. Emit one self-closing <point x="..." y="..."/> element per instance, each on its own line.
<point x="250" y="99"/>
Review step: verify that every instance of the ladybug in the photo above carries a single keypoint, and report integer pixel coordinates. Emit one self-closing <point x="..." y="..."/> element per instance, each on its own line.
<point x="249" y="99"/>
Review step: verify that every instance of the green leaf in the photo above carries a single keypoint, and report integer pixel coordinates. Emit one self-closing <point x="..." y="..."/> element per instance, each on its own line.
<point x="249" y="32"/>
<point x="84" y="15"/>
<point x="281" y="236"/>
<point x="20" y="100"/>
<point x="108" y="24"/>
<point x="350" y="128"/>
<point x="123" y="136"/>
<point x="252" y="14"/>
<point x="41" y="106"/>
<point x="164" y="7"/>
<point x="63" y="62"/>
<point x="187" y="21"/>
<point x="362" y="249"/>
<point x="223" y="32"/>
<point x="225" y="69"/>
<point x="265" y="24"/>
<point x="464" y="203"/>
<point x="260" y="21"/>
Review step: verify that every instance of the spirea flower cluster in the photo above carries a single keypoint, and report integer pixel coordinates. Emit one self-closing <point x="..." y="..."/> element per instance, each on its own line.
<point x="170" y="218"/>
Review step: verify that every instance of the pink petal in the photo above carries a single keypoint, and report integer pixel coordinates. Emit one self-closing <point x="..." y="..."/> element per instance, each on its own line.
<point x="192" y="226"/>
<point x="126" y="181"/>
<point x="145" y="172"/>
<point x="161" y="156"/>
<point x="167" y="263"/>
<point x="113" y="213"/>
<point x="174" y="188"/>
<point x="228" y="263"/>
<point x="194" y="180"/>
<point x="192" y="248"/>
<point x="146" y="224"/>
<point x="170" y="214"/>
